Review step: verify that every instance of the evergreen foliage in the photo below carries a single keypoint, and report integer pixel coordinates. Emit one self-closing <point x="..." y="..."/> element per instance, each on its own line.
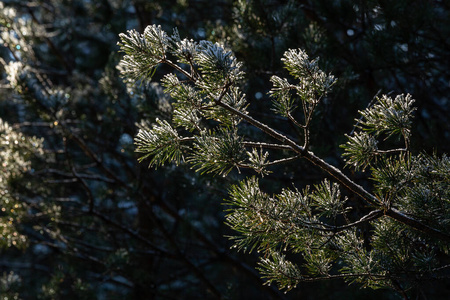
<point x="404" y="209"/>
<point x="242" y="112"/>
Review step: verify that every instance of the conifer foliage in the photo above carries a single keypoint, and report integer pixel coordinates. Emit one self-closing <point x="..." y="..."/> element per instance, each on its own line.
<point x="394" y="234"/>
<point x="268" y="165"/>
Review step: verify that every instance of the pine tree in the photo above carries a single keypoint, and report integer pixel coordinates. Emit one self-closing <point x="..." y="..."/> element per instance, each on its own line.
<point x="401" y="237"/>
<point x="83" y="219"/>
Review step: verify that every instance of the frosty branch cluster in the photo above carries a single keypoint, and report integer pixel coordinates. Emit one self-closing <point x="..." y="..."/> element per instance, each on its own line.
<point x="407" y="211"/>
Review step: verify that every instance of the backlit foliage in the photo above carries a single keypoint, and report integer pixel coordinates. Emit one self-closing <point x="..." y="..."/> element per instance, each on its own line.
<point x="316" y="226"/>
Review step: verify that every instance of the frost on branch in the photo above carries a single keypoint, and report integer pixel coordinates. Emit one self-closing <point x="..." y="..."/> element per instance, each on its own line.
<point x="316" y="233"/>
<point x="161" y="142"/>
<point x="143" y="52"/>
<point x="390" y="116"/>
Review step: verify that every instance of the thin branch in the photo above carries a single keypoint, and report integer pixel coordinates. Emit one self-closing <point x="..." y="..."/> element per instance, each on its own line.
<point x="131" y="233"/>
<point x="375" y="214"/>
<point x="391" y="151"/>
<point x="410" y="221"/>
<point x="178" y="68"/>
<point x="51" y="45"/>
<point x="70" y="175"/>
<point x="266" y="145"/>
<point x="296" y="123"/>
<point x="440" y="268"/>
<point x="200" y="275"/>
<point x="283" y="160"/>
<point x="90" y="246"/>
<point x="351" y="275"/>
<point x="399" y="289"/>
<point x="81" y="143"/>
<point x="86" y="187"/>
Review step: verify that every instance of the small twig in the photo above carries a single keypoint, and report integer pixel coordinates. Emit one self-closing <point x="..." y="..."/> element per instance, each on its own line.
<point x="51" y="45"/>
<point x="70" y="175"/>
<point x="283" y="160"/>
<point x="131" y="233"/>
<point x="375" y="214"/>
<point x="293" y="120"/>
<point x="378" y="152"/>
<point x="266" y="145"/>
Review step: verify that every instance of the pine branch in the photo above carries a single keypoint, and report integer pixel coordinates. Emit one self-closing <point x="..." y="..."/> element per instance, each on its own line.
<point x="291" y="219"/>
<point x="338" y="175"/>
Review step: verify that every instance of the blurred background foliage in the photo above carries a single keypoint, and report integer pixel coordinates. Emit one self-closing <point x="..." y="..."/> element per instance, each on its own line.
<point x="81" y="219"/>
